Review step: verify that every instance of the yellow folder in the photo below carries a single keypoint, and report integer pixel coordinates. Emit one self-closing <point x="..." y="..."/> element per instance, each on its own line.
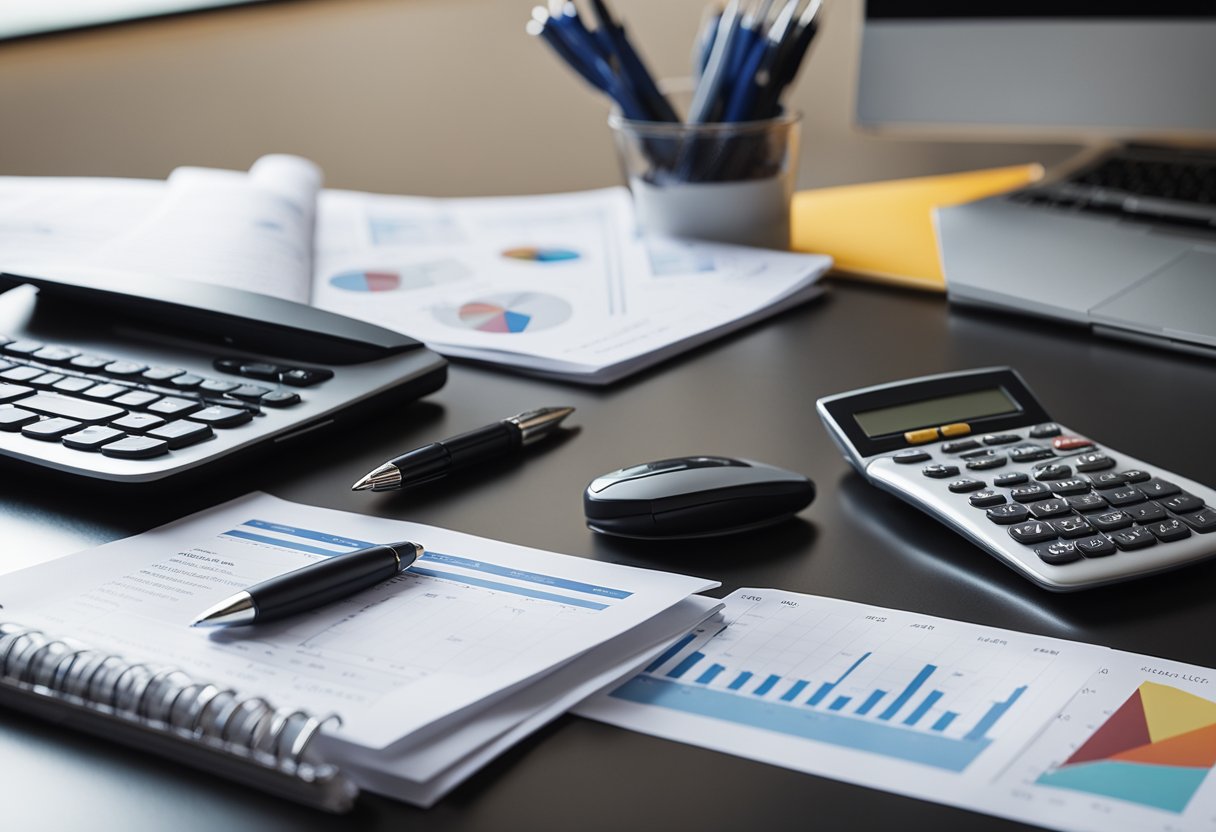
<point x="884" y="230"/>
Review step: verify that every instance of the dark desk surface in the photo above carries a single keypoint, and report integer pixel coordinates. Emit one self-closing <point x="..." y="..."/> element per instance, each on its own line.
<point x="751" y="395"/>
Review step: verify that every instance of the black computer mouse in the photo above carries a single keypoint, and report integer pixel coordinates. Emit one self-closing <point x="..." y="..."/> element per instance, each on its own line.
<point x="693" y="496"/>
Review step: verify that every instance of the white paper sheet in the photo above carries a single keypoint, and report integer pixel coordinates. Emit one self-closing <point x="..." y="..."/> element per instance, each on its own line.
<point x="1066" y="735"/>
<point x="471" y="620"/>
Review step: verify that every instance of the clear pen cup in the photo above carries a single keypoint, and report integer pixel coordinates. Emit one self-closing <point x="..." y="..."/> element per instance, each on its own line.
<point x="730" y="182"/>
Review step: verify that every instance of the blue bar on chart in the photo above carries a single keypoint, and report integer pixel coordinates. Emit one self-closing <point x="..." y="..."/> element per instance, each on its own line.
<point x="767" y="685"/>
<point x="669" y="652"/>
<point x="686" y="665"/>
<point x="944" y="721"/>
<point x="923" y="708"/>
<point x="828" y="687"/>
<point x="711" y="674"/>
<point x="870" y="702"/>
<point x="908" y="692"/>
<point x="994" y="713"/>
<point x="839" y="703"/>
<point x="740" y="680"/>
<point x="797" y="688"/>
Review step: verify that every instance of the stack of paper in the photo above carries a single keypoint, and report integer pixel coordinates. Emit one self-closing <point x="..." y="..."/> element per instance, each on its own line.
<point x="558" y="285"/>
<point x="431" y="673"/>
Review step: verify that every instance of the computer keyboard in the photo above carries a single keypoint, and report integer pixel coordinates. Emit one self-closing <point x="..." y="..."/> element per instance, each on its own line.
<point x="136" y="381"/>
<point x="1147" y="185"/>
<point x="128" y="410"/>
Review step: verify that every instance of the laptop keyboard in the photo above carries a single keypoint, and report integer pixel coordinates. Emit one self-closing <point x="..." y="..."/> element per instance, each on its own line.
<point x="1173" y="188"/>
<point x="127" y="410"/>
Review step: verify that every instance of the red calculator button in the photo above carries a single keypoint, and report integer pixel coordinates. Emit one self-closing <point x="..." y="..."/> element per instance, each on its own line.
<point x="1070" y="443"/>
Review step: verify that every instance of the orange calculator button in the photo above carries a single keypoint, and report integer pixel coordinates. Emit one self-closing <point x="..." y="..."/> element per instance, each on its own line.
<point x="920" y="437"/>
<point x="956" y="429"/>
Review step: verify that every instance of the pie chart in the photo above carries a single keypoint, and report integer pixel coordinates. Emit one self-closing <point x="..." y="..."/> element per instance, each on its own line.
<point x="537" y="254"/>
<point x="361" y="281"/>
<point x="508" y="313"/>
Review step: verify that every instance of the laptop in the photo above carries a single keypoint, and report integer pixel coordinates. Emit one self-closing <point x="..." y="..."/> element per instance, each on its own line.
<point x="1122" y="239"/>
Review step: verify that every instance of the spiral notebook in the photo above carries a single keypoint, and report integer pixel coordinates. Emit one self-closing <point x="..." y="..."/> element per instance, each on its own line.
<point x="502" y="639"/>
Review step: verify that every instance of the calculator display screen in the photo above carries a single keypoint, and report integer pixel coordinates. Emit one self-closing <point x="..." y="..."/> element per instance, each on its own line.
<point x="959" y="407"/>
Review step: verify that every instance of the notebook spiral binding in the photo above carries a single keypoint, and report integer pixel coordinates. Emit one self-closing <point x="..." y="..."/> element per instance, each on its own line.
<point x="162" y="709"/>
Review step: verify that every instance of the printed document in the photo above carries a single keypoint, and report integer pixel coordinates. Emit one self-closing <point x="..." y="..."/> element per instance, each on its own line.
<point x="1066" y="735"/>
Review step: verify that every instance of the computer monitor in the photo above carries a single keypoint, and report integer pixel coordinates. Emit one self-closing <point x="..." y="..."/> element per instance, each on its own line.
<point x="1040" y="68"/>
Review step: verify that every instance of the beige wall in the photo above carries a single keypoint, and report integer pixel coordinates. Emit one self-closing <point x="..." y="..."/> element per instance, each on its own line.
<point x="402" y="96"/>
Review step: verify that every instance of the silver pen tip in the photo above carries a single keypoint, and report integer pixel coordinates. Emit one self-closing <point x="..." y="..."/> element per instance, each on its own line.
<point x="384" y="477"/>
<point x="235" y="609"/>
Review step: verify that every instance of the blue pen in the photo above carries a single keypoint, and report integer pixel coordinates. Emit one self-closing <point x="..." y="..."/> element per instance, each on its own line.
<point x="705" y="40"/>
<point x="629" y="64"/>
<point x="705" y="97"/>
<point x="578" y="39"/>
<point x="788" y="60"/>
<point x="537" y="28"/>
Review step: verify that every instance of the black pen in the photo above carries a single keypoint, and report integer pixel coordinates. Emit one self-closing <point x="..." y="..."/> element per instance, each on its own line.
<point x="430" y="462"/>
<point x="311" y="586"/>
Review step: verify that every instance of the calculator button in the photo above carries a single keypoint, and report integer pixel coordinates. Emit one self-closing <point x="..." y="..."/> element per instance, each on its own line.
<point x="1147" y="512"/>
<point x="1134" y="475"/>
<point x="21" y="373"/>
<point x="1094" y="462"/>
<point x="1062" y="551"/>
<point x="1030" y="453"/>
<point x="986" y="463"/>
<point x="981" y="499"/>
<point x="46" y="380"/>
<point x="910" y="456"/>
<point x="215" y="385"/>
<point x="1137" y="538"/>
<point x="1087" y="503"/>
<point x="939" y="472"/>
<point x="955" y="429"/>
<point x="1127" y="496"/>
<point x="1066" y="488"/>
<point x="186" y="381"/>
<point x="1070" y="443"/>
<point x="250" y="392"/>
<point x="1051" y="471"/>
<point x="53" y="404"/>
<point x="12" y="392"/>
<point x="1045" y="430"/>
<point x="961" y="445"/>
<point x="73" y="384"/>
<point x="124" y="369"/>
<point x="965" y="485"/>
<point x="1111" y="520"/>
<point x="920" y="437"/>
<point x="1007" y="480"/>
<point x="1159" y="488"/>
<point x="1048" y="508"/>
<point x="1182" y="503"/>
<point x="1030" y="493"/>
<point x="1001" y="438"/>
<point x="1167" y="530"/>
<point x="1071" y="527"/>
<point x="1108" y="480"/>
<point x="23" y="347"/>
<point x="1097" y="546"/>
<point x="1202" y="521"/>
<point x="1036" y="531"/>
<point x="55" y="354"/>
<point x="102" y="392"/>
<point x="1009" y="514"/>
<point x="90" y="362"/>
<point x="982" y="453"/>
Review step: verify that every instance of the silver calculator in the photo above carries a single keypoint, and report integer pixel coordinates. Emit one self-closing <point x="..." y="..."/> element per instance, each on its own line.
<point x="977" y="451"/>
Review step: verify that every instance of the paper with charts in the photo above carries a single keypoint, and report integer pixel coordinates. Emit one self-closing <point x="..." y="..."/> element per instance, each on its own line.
<point x="1057" y="733"/>
<point x="558" y="284"/>
<point x="471" y="620"/>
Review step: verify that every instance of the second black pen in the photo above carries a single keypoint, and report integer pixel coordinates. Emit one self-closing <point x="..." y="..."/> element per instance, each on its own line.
<point x="438" y="459"/>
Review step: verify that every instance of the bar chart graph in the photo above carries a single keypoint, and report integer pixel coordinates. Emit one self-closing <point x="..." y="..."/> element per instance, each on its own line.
<point x="906" y="688"/>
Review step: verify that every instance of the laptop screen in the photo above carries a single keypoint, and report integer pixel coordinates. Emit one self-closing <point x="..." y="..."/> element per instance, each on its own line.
<point x="1040" y="68"/>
